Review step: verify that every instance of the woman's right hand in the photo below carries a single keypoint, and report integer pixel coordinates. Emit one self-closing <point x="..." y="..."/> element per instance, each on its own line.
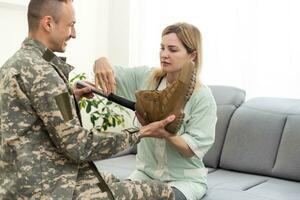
<point x="104" y="76"/>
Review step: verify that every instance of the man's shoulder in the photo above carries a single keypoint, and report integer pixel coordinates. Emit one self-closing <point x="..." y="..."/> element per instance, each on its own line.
<point x="29" y="57"/>
<point x="24" y="60"/>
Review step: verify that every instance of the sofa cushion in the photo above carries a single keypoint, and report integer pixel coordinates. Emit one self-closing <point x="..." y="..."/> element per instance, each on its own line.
<point x="226" y="95"/>
<point x="252" y="141"/>
<point x="254" y="135"/>
<point x="277" y="189"/>
<point x="227" y="100"/>
<point x="288" y="157"/>
<point x="228" y="194"/>
<point x="225" y="179"/>
<point x="230" y="185"/>
<point x="210" y="169"/>
<point x="276" y="105"/>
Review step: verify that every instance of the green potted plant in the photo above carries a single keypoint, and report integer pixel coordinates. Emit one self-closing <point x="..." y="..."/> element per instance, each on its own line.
<point x="102" y="113"/>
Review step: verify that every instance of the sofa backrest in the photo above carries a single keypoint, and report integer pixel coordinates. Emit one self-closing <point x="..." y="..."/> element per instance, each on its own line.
<point x="263" y="137"/>
<point x="228" y="99"/>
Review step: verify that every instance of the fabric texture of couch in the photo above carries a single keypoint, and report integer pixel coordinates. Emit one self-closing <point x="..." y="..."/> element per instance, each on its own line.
<point x="256" y="154"/>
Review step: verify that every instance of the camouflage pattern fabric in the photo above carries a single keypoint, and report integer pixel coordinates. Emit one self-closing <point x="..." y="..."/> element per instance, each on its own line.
<point x="135" y="190"/>
<point x="43" y="153"/>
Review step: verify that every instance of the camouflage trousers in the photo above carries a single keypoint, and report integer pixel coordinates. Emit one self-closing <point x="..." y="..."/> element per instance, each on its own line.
<point x="86" y="188"/>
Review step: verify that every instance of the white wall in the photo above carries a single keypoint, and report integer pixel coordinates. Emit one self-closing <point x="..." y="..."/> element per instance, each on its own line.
<point x="124" y="32"/>
<point x="13" y="25"/>
<point x="91" y="27"/>
<point x="128" y="32"/>
<point x="250" y="44"/>
<point x="102" y="30"/>
<point x="92" y="34"/>
<point x="118" y="49"/>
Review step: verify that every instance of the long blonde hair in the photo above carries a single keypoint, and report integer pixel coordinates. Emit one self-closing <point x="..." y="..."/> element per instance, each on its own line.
<point x="190" y="37"/>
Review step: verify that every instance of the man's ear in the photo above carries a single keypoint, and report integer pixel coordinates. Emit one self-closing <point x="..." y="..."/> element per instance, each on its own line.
<point x="47" y="23"/>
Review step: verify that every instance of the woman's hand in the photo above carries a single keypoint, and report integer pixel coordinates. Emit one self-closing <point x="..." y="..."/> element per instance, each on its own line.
<point x="157" y="129"/>
<point x="104" y="76"/>
<point x="176" y="141"/>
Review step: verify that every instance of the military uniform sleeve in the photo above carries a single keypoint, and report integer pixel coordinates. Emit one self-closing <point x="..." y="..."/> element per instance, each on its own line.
<point x="129" y="80"/>
<point x="44" y="87"/>
<point x="199" y="130"/>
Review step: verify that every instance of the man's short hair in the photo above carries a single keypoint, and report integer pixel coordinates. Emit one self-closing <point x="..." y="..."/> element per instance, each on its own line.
<point x="37" y="9"/>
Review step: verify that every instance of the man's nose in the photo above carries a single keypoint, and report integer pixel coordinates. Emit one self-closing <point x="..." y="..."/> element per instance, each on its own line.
<point x="73" y="33"/>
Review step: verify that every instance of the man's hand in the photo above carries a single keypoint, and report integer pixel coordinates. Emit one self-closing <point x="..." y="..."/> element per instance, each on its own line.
<point x="157" y="129"/>
<point x="104" y="76"/>
<point x="83" y="92"/>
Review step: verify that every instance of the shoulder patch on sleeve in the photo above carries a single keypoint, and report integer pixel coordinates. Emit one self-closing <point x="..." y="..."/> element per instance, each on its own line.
<point x="64" y="104"/>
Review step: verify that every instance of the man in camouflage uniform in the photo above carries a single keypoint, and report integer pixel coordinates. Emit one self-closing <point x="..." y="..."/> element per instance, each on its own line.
<point x="44" y="151"/>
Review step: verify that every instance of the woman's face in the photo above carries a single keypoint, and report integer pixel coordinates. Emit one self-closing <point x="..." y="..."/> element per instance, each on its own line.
<point x="173" y="54"/>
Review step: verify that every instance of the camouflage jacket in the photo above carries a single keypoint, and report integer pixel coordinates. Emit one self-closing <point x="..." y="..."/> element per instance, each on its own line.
<point x="43" y="146"/>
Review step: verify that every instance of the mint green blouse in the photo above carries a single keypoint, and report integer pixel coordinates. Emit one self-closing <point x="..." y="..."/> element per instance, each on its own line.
<point x="156" y="158"/>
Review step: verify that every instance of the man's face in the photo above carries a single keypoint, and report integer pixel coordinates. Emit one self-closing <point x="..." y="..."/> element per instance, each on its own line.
<point x="63" y="28"/>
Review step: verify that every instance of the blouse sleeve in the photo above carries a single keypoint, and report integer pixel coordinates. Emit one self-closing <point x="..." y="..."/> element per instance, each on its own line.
<point x="129" y="80"/>
<point x="199" y="128"/>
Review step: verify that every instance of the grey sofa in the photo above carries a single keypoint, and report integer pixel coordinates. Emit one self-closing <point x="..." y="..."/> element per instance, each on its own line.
<point x="256" y="154"/>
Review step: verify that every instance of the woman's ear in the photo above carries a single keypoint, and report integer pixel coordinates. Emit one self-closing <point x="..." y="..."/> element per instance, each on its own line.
<point x="193" y="55"/>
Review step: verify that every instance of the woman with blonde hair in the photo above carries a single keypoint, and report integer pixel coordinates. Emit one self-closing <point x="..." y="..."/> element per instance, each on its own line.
<point x="174" y="160"/>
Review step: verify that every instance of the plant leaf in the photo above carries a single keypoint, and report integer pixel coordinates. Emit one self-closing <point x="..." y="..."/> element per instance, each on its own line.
<point x="88" y="107"/>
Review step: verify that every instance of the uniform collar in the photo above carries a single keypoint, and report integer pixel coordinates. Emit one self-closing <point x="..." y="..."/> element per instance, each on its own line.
<point x="48" y="55"/>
